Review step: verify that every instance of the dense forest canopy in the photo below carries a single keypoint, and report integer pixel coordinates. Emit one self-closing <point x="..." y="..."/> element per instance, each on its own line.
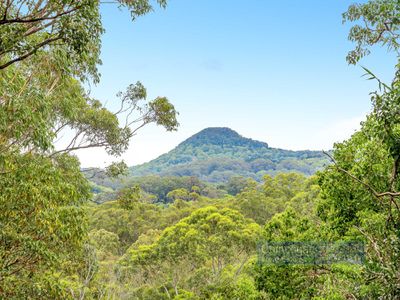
<point x="179" y="237"/>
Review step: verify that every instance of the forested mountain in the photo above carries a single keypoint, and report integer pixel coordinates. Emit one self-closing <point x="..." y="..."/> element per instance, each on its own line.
<point x="216" y="154"/>
<point x="179" y="237"/>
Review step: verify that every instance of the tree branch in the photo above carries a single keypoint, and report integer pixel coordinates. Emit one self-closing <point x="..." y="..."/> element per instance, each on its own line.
<point x="34" y="20"/>
<point x="22" y="57"/>
<point x="369" y="187"/>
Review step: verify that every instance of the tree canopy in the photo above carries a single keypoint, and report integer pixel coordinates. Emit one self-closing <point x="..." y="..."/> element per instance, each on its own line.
<point x="47" y="50"/>
<point x="179" y="237"/>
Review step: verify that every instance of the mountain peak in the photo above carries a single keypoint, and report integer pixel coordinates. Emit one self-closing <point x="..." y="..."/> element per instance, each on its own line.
<point x="222" y="136"/>
<point x="216" y="154"/>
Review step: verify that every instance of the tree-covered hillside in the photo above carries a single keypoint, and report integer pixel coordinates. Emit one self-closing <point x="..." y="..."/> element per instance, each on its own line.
<point x="165" y="237"/>
<point x="217" y="154"/>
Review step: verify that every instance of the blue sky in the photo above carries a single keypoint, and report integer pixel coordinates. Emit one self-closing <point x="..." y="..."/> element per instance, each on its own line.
<point x="274" y="71"/>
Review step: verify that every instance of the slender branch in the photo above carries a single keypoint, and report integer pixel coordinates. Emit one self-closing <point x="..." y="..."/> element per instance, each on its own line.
<point x="22" y="57"/>
<point x="394" y="173"/>
<point x="34" y="20"/>
<point x="370" y="188"/>
<point x="98" y="145"/>
<point x="373" y="243"/>
<point x="6" y="9"/>
<point x="33" y="30"/>
<point x="61" y="127"/>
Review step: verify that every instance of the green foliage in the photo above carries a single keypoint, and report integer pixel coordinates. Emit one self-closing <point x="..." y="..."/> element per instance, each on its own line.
<point x="183" y="194"/>
<point x="128" y="225"/>
<point x="222" y="136"/>
<point x="360" y="197"/>
<point x="155" y="185"/>
<point x="380" y="279"/>
<point x="47" y="50"/>
<point x="71" y="28"/>
<point x="168" y="237"/>
<point x="378" y="22"/>
<point x="208" y="237"/>
<point x="219" y="154"/>
<point x="130" y="197"/>
<point x="162" y="113"/>
<point x="42" y="223"/>
<point x="105" y="241"/>
<point x="173" y="251"/>
<point x="284" y="186"/>
<point x="365" y="158"/>
<point x="116" y="169"/>
<point x="261" y="202"/>
<point x="254" y="204"/>
<point x="352" y="207"/>
<point x="33" y="26"/>
<point x="176" y="250"/>
<point x="295" y="281"/>
<point x="360" y="193"/>
<point x="235" y="185"/>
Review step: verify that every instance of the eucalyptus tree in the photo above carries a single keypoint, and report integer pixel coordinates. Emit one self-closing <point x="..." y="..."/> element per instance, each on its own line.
<point x="27" y="26"/>
<point x="202" y="245"/>
<point x="377" y="22"/>
<point x="361" y="190"/>
<point x="47" y="50"/>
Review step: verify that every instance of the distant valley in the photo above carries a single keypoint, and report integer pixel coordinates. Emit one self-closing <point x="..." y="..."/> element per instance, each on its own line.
<point x="216" y="154"/>
<point x="216" y="159"/>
